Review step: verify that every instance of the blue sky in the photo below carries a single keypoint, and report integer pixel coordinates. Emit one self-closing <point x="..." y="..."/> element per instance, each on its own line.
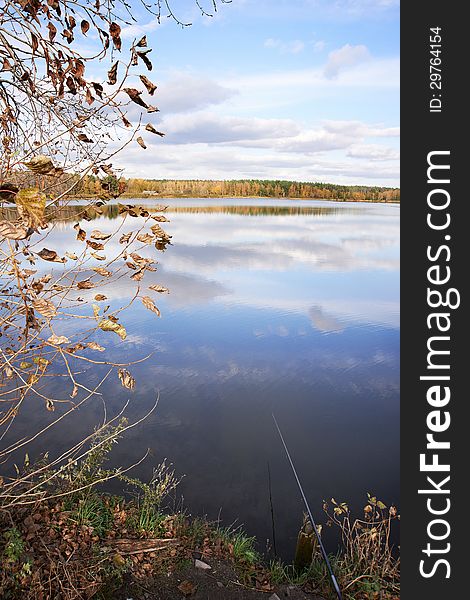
<point x="276" y="89"/>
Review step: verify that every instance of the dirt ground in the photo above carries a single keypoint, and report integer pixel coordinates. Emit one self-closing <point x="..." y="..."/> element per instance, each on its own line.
<point x="197" y="584"/>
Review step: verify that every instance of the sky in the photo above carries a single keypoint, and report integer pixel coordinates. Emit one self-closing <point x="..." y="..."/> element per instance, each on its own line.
<point x="304" y="90"/>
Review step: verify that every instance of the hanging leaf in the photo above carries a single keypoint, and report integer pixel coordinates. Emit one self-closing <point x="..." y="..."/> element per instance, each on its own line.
<point x="141" y="142"/>
<point x="81" y="233"/>
<point x="107" y="169"/>
<point x="142" y="262"/>
<point x="71" y="255"/>
<point x="50" y="405"/>
<point x="86" y="284"/>
<point x="112" y="74"/>
<point x="50" y="255"/>
<point x="152" y="109"/>
<point x="82" y="137"/>
<point x="146" y="238"/>
<point x="13" y="231"/>
<point x="98" y="89"/>
<point x="95" y="346"/>
<point x="159" y="232"/>
<point x="134" y="95"/>
<point x="138" y="275"/>
<point x="151" y="128"/>
<point x="151" y="87"/>
<point x="52" y="31"/>
<point x="98" y="256"/>
<point x="150" y="305"/>
<point x="102" y="272"/>
<point x="126" y="379"/>
<point x="31" y="205"/>
<point x="68" y="35"/>
<point x="42" y="165"/>
<point x="161" y="218"/>
<point x="96" y="234"/>
<point x="45" y="308"/>
<point x="143" y="56"/>
<point x="84" y="26"/>
<point x="125" y="238"/>
<point x="100" y="297"/>
<point x="95" y="245"/>
<point x="159" y="288"/>
<point x="115" y="32"/>
<point x="109" y="325"/>
<point x="142" y="43"/>
<point x="57" y="340"/>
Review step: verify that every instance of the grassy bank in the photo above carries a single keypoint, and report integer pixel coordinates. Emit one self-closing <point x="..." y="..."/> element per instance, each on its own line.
<point x="62" y="537"/>
<point x="103" y="547"/>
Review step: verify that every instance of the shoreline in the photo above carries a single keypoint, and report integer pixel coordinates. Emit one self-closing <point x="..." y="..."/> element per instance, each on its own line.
<point x="201" y="197"/>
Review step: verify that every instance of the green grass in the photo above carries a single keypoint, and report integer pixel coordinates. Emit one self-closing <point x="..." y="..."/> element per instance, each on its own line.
<point x="242" y="544"/>
<point x="93" y="511"/>
<point x="14" y="546"/>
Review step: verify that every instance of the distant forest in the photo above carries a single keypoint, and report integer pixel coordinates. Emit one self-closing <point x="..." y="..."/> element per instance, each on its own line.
<point x="245" y="188"/>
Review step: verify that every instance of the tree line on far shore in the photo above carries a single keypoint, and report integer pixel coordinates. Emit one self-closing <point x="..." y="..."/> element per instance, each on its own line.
<point x="245" y="188"/>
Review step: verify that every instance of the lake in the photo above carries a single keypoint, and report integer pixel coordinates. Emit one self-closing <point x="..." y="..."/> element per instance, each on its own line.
<point x="275" y="307"/>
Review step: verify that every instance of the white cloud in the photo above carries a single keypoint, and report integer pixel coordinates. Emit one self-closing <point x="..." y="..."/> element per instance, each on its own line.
<point x="283" y="135"/>
<point x="210" y="128"/>
<point x="373" y="152"/>
<point x="343" y="58"/>
<point x="319" y="45"/>
<point x="187" y="92"/>
<point x="291" y="47"/>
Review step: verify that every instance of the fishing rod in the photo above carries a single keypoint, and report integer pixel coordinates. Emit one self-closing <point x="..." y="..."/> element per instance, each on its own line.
<point x="309" y="512"/>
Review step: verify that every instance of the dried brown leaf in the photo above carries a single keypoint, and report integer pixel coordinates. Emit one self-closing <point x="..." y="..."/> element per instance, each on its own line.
<point x="151" y="87"/>
<point x="159" y="288"/>
<point x="150" y="305"/>
<point x="146" y="238"/>
<point x="86" y="284"/>
<point x="141" y="142"/>
<point x="50" y="255"/>
<point x="57" y="340"/>
<point x="110" y="325"/>
<point x="125" y="238"/>
<point x="45" y="308"/>
<point x="102" y="272"/>
<point x="115" y="32"/>
<point x="134" y="95"/>
<point x="112" y="74"/>
<point x="138" y="275"/>
<point x="98" y="235"/>
<point x="151" y="128"/>
<point x="95" y="245"/>
<point x="81" y="233"/>
<point x="126" y="379"/>
<point x="95" y="346"/>
<point x="13" y="231"/>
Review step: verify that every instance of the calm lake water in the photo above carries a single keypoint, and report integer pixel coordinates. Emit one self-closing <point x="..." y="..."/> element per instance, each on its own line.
<point x="280" y="307"/>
